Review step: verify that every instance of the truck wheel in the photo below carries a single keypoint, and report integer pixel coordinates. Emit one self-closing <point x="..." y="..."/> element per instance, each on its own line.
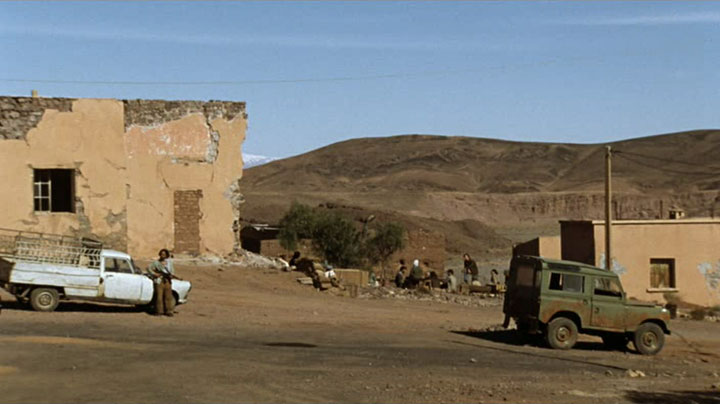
<point x="615" y="341"/>
<point x="561" y="333"/>
<point x="44" y="299"/>
<point x="649" y="339"/>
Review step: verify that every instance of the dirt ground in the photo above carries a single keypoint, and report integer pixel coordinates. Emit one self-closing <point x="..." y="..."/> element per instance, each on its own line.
<point x="249" y="335"/>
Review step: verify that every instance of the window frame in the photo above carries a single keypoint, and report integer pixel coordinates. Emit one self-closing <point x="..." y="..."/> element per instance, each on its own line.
<point x="672" y="276"/>
<point x="42" y="178"/>
<point x="562" y="282"/>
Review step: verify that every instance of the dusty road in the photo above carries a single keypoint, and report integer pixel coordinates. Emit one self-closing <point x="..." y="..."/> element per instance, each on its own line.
<point x="258" y="336"/>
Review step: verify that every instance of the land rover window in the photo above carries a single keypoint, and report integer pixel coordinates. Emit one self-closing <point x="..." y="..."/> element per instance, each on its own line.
<point x="525" y="275"/>
<point x="566" y="282"/>
<point x="607" y="287"/>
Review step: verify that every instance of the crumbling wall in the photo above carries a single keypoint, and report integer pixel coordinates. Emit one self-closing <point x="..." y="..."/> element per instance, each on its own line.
<point x="183" y="146"/>
<point x="128" y="157"/>
<point x="20" y="114"/>
<point x="84" y="135"/>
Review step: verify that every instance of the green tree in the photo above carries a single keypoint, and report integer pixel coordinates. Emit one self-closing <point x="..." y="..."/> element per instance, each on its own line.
<point x="298" y="223"/>
<point x="338" y="240"/>
<point x="388" y="238"/>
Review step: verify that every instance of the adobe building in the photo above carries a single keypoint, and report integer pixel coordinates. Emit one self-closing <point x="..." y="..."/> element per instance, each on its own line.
<point x="138" y="175"/>
<point x="544" y="246"/>
<point x="657" y="260"/>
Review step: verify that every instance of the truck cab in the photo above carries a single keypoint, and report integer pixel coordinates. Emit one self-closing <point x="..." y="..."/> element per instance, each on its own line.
<point x="560" y="299"/>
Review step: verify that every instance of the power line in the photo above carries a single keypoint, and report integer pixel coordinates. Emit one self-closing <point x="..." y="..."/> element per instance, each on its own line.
<point x="499" y="68"/>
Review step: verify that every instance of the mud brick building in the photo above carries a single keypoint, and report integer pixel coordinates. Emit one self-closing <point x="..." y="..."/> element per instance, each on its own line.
<point x="137" y="174"/>
<point x="657" y="260"/>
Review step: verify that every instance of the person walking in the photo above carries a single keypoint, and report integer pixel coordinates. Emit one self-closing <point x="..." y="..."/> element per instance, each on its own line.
<point x="162" y="272"/>
<point x="471" y="269"/>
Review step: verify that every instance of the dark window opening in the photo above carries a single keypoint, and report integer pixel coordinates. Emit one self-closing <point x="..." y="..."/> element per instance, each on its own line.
<point x="54" y="190"/>
<point x="566" y="282"/>
<point x="662" y="273"/>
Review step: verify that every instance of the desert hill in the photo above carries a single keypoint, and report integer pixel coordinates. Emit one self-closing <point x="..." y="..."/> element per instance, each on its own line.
<point x="494" y="192"/>
<point x="461" y="164"/>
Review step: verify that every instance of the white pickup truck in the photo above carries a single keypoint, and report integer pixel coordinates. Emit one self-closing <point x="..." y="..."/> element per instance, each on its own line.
<point x="41" y="269"/>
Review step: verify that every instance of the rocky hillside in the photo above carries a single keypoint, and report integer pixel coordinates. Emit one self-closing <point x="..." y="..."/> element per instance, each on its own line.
<point x="509" y="191"/>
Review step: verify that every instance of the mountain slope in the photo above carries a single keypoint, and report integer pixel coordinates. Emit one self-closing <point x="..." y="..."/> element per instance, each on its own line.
<point x="486" y="194"/>
<point x="437" y="163"/>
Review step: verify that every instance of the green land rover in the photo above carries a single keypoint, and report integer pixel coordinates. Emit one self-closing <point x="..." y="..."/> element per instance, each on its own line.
<point x="560" y="299"/>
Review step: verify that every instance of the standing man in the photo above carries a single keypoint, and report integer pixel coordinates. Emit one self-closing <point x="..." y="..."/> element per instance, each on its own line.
<point x="162" y="271"/>
<point x="471" y="269"/>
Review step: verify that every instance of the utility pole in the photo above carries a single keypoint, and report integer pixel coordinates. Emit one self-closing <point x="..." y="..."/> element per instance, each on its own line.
<point x="608" y="207"/>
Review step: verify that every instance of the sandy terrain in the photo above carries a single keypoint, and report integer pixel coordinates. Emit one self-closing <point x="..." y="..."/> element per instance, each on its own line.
<point x="259" y="336"/>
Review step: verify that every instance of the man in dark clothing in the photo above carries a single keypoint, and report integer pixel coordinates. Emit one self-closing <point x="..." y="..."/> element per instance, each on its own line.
<point x="400" y="276"/>
<point x="294" y="260"/>
<point x="471" y="269"/>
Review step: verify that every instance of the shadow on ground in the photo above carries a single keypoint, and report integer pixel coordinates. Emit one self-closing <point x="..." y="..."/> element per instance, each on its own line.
<point x="513" y="337"/>
<point x="79" y="307"/>
<point x="672" y="397"/>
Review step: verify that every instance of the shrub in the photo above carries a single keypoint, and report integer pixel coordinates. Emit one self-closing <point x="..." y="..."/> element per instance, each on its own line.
<point x="298" y="223"/>
<point x="336" y="238"/>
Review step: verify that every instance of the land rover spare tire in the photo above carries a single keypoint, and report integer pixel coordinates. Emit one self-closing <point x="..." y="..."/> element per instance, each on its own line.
<point x="562" y="333"/>
<point x="649" y="339"/>
<point x="44" y="299"/>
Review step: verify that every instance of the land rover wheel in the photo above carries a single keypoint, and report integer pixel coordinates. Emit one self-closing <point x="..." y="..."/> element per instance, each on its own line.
<point x="615" y="341"/>
<point x="44" y="299"/>
<point x="561" y="333"/>
<point x="649" y="339"/>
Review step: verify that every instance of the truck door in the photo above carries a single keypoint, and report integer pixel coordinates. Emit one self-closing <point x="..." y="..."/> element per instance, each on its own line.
<point x="566" y="292"/>
<point x="120" y="282"/>
<point x="523" y="285"/>
<point x="608" y="308"/>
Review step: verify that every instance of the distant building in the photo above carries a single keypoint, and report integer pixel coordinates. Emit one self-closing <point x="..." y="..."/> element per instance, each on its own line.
<point x="544" y="246"/>
<point x="657" y="260"/>
<point x="139" y="175"/>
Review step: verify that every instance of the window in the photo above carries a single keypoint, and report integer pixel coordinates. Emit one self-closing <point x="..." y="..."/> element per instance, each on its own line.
<point x="566" y="282"/>
<point x="607" y="287"/>
<point x="54" y="190"/>
<point x="525" y="275"/>
<point x="117" y="265"/>
<point x="662" y="273"/>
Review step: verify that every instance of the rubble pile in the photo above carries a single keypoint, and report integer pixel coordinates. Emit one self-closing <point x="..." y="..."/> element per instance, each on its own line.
<point x="440" y="296"/>
<point x="248" y="259"/>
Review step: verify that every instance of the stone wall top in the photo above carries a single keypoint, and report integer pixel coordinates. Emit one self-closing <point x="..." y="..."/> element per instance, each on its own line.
<point x="20" y="114"/>
<point x="156" y="112"/>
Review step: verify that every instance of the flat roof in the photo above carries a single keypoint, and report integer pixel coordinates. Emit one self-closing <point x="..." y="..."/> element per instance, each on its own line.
<point x="649" y="222"/>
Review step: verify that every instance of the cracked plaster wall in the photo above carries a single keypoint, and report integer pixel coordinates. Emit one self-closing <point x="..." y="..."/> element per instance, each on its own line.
<point x="87" y="137"/>
<point x="690" y="242"/>
<point x="130" y="157"/>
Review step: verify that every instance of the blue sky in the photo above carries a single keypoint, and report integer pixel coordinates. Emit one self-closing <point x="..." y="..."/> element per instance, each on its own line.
<point x="314" y="73"/>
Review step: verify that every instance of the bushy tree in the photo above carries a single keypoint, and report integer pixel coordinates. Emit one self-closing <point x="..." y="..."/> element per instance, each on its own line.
<point x="337" y="239"/>
<point x="298" y="223"/>
<point x="388" y="238"/>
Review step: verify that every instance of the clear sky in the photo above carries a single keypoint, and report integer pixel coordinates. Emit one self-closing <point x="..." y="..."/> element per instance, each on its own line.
<point x="314" y="73"/>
